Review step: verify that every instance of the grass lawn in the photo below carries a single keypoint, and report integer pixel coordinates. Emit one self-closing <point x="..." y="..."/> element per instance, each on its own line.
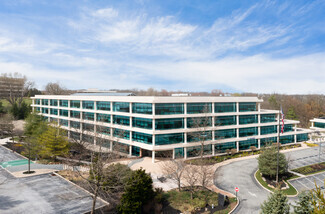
<point x="182" y="200"/>
<point x="290" y="191"/>
<point x="311" y="169"/>
<point x="6" y="104"/>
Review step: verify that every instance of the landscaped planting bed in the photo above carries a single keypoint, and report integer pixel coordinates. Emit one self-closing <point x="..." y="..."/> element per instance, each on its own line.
<point x="311" y="169"/>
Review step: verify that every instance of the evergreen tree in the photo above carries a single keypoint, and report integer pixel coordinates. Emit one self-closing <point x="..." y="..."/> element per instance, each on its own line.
<point x="137" y="193"/>
<point x="54" y="142"/>
<point x="291" y="114"/>
<point x="277" y="203"/>
<point x="304" y="203"/>
<point x="267" y="162"/>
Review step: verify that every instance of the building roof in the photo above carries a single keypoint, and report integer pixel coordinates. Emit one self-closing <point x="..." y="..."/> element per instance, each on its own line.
<point x="103" y="94"/>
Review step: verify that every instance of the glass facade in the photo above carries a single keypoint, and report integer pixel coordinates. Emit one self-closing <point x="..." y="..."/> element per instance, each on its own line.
<point x="247" y="107"/>
<point x="135" y="151"/>
<point x="268" y="130"/>
<point x="319" y="125"/>
<point x="64" y="113"/>
<point x="121" y="106"/>
<point x="45" y="110"/>
<point x="37" y="102"/>
<point x="105" y="118"/>
<point x="244" y="132"/>
<point x="164" y="139"/>
<point x="120" y="133"/>
<point x="45" y="102"/>
<point x="88" y="138"/>
<point x="225" y="121"/>
<point x="268" y="141"/>
<point x="195" y="122"/>
<point x="246" y="144"/>
<point x="169" y="108"/>
<point x="121" y="147"/>
<point x="88" y="116"/>
<point x="142" y="137"/>
<point x="64" y="122"/>
<point x="224" y="107"/>
<point x="74" y="124"/>
<point x="198" y="108"/>
<point x="302" y="137"/>
<point x="142" y="123"/>
<point x="64" y="103"/>
<point x="53" y="102"/>
<point x="75" y="114"/>
<point x="199" y="136"/>
<point x="223" y="147"/>
<point x="248" y="119"/>
<point x="103" y="105"/>
<point x="74" y="104"/>
<point x="88" y="105"/>
<point x="103" y="130"/>
<point x="142" y="108"/>
<point x="268" y="118"/>
<point x="53" y="111"/>
<point x="288" y="128"/>
<point x="179" y="152"/>
<point x="174" y="123"/>
<point x="226" y="133"/>
<point x="287" y="139"/>
<point x="87" y="127"/>
<point x="195" y="151"/>
<point x="75" y="135"/>
<point x="121" y="120"/>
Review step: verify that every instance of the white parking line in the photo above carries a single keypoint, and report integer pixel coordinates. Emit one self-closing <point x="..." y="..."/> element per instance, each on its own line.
<point x="319" y="180"/>
<point x="302" y="184"/>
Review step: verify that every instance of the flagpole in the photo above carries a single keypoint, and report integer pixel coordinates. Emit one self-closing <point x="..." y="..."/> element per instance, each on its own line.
<point x="277" y="156"/>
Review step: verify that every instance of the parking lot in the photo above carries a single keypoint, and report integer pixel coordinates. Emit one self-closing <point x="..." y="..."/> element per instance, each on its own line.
<point x="308" y="183"/>
<point x="305" y="157"/>
<point x="44" y="193"/>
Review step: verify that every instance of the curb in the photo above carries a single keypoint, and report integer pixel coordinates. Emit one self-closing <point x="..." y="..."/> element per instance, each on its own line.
<point x="289" y="196"/>
<point x="105" y="202"/>
<point x="238" y="200"/>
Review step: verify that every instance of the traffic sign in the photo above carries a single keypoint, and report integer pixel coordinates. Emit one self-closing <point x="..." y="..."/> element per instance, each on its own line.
<point x="237" y="189"/>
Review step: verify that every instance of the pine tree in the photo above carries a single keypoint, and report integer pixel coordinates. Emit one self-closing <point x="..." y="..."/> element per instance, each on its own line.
<point x="291" y="114"/>
<point x="277" y="203"/>
<point x="304" y="203"/>
<point x="54" y="142"/>
<point x="138" y="192"/>
<point x="267" y="162"/>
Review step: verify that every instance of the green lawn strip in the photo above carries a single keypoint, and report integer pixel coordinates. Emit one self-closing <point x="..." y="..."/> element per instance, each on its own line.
<point x="290" y="191"/>
<point x="6" y="104"/>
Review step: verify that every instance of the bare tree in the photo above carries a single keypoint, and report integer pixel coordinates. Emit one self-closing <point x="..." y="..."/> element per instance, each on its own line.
<point x="55" y="89"/>
<point x="191" y="178"/>
<point x="7" y="126"/>
<point x="13" y="87"/>
<point x="174" y="170"/>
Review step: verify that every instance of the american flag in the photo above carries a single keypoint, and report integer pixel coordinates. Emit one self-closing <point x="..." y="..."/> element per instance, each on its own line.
<point x="282" y="118"/>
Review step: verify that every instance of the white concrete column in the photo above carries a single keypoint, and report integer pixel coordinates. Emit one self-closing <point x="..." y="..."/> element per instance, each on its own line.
<point x="130" y="150"/>
<point x="153" y="156"/>
<point x="185" y="153"/>
<point x="174" y="153"/>
<point x="185" y="108"/>
<point x="213" y="150"/>
<point x="237" y="146"/>
<point x="237" y="106"/>
<point x="295" y="136"/>
<point x="259" y="143"/>
<point x="259" y="107"/>
<point x="111" y="145"/>
<point x="130" y="106"/>
<point x="295" y="127"/>
<point x="185" y="137"/>
<point x="153" y="140"/>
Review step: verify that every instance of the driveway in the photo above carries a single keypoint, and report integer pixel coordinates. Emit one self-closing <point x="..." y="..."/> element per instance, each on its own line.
<point x="241" y="174"/>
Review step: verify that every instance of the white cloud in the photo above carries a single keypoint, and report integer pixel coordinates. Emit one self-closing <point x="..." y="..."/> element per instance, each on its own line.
<point x="105" y="13"/>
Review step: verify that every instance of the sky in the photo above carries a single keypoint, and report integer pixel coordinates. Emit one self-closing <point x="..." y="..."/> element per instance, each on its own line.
<point x="194" y="45"/>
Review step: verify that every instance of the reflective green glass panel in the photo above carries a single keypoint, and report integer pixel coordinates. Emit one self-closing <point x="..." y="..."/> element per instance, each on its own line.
<point x="64" y="103"/>
<point x="268" y="141"/>
<point x="103" y="130"/>
<point x="120" y="133"/>
<point x="105" y="118"/>
<point x="75" y="114"/>
<point x="53" y="111"/>
<point x="88" y="116"/>
<point x="122" y="120"/>
<point x="164" y="124"/>
<point x="53" y="102"/>
<point x="225" y="133"/>
<point x="45" y="102"/>
<point x="246" y="144"/>
<point x="223" y="147"/>
<point x="121" y="106"/>
<point x="244" y="132"/>
<point x="45" y="110"/>
<point x="103" y="105"/>
<point x="88" y="105"/>
<point x="319" y="125"/>
<point x="195" y="122"/>
<point x="195" y="151"/>
<point x="199" y="136"/>
<point x="302" y="137"/>
<point x="248" y="119"/>
<point x="169" y="108"/>
<point x="247" y="107"/>
<point x="74" y="104"/>
<point x="75" y="124"/>
<point x="142" y="123"/>
<point x="287" y="139"/>
<point x="225" y="120"/>
<point x="224" y="107"/>
<point x="268" y="118"/>
<point x="87" y="127"/>
<point x="142" y="137"/>
<point x="164" y="139"/>
<point x="142" y="108"/>
<point x="64" y="123"/>
<point x="197" y="108"/>
<point x="64" y="113"/>
<point x="37" y="102"/>
<point x="268" y="130"/>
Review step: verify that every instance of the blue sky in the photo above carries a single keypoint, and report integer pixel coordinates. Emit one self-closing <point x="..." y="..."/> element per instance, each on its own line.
<point x="252" y="46"/>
